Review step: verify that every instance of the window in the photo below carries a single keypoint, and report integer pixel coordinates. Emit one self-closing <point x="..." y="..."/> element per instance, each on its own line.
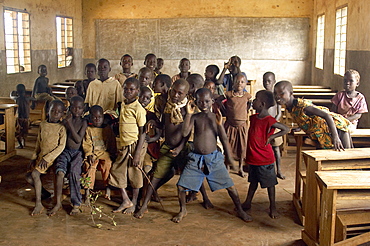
<point x="320" y="42"/>
<point x="17" y="41"/>
<point x="340" y="41"/>
<point x="64" y="41"/>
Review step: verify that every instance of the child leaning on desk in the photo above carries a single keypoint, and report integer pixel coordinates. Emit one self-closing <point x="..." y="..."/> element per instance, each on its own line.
<point x="327" y="129"/>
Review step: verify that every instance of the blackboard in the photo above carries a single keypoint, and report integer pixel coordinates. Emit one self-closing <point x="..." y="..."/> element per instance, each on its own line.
<point x="204" y="38"/>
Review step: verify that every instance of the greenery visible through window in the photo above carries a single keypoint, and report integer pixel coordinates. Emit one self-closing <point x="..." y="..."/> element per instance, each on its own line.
<point x="64" y="41"/>
<point x="320" y="42"/>
<point x="17" y="41"/>
<point x="340" y="41"/>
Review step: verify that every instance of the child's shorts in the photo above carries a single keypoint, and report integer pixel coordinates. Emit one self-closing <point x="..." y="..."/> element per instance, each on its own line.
<point x="70" y="160"/>
<point x="166" y="161"/>
<point x="265" y="175"/>
<point x="214" y="170"/>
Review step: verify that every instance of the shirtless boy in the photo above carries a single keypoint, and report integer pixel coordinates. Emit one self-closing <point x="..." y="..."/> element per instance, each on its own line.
<point x="70" y="160"/>
<point x="205" y="161"/>
<point x="172" y="120"/>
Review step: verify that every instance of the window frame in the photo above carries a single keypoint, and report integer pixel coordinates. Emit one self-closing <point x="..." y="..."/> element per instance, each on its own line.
<point x="21" y="44"/>
<point x="320" y="41"/>
<point x="340" y="41"/>
<point x="64" y="38"/>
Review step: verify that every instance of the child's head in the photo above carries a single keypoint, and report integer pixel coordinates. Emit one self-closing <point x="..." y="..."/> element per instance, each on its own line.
<point x="184" y="65"/>
<point x="235" y="63"/>
<point x="210" y="85"/>
<point x="80" y="88"/>
<point x="71" y="92"/>
<point x="56" y="111"/>
<point x="42" y="70"/>
<point x="204" y="99"/>
<point x="145" y="76"/>
<point x="283" y="92"/>
<point x="162" y="83"/>
<point x="264" y="100"/>
<point x="90" y="71"/>
<point x="145" y="96"/>
<point x="77" y="106"/>
<point x="179" y="91"/>
<point x="211" y="72"/>
<point x="126" y="62"/>
<point x="131" y="89"/>
<point x="103" y="69"/>
<point x="351" y="80"/>
<point x="160" y="63"/>
<point x="21" y="90"/>
<point x="195" y="81"/>
<point x="97" y="115"/>
<point x="240" y="82"/>
<point x="150" y="61"/>
<point x="269" y="81"/>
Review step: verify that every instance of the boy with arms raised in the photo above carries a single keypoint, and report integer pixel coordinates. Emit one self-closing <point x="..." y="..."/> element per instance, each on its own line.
<point x="260" y="156"/>
<point x="174" y="144"/>
<point x="205" y="161"/>
<point x="70" y="160"/>
<point x="128" y="165"/>
<point x="50" y="142"/>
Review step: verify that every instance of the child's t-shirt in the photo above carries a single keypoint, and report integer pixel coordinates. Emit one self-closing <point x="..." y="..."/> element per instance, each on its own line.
<point x="347" y="106"/>
<point x="132" y="117"/>
<point x="99" y="139"/>
<point x="258" y="153"/>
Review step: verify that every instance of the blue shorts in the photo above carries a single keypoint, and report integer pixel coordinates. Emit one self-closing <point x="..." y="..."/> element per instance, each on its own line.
<point x="265" y="175"/>
<point x="211" y="167"/>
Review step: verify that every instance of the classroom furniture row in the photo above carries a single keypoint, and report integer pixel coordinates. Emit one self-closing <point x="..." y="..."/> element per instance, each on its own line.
<point x="7" y="128"/>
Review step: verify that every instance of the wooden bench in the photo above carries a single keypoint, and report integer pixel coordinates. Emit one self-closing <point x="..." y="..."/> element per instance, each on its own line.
<point x="336" y="185"/>
<point x="300" y="173"/>
<point x="323" y="160"/>
<point x="72" y="80"/>
<point x="310" y="87"/>
<point x="6" y="100"/>
<point x="314" y="95"/>
<point x="350" y="223"/>
<point x="8" y="110"/>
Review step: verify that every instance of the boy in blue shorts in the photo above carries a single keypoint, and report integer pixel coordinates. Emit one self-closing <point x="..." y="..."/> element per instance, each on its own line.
<point x="260" y="156"/>
<point x="205" y="161"/>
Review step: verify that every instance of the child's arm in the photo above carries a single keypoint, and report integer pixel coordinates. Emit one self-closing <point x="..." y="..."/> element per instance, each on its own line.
<point x="34" y="91"/>
<point x="189" y="120"/>
<point x="223" y="138"/>
<point x="175" y="151"/>
<point x="278" y="112"/>
<point x="220" y="80"/>
<point x="283" y="130"/>
<point x="310" y="111"/>
<point x="139" y="146"/>
<point x="87" y="146"/>
<point x="221" y="106"/>
<point x="76" y="136"/>
<point x="158" y="134"/>
<point x="354" y="117"/>
<point x="52" y="155"/>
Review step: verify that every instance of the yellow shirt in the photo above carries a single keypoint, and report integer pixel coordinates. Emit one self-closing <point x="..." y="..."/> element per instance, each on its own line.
<point x="50" y="143"/>
<point x="97" y="140"/>
<point x="132" y="117"/>
<point x="105" y="94"/>
<point x="121" y="77"/>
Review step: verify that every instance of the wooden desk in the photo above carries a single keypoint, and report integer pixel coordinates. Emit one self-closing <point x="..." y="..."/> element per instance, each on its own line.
<point x="9" y="125"/>
<point x="321" y="160"/>
<point x="251" y="83"/>
<point x="300" y="173"/>
<point x="309" y="90"/>
<point x="310" y="87"/>
<point x="331" y="184"/>
<point x="314" y="95"/>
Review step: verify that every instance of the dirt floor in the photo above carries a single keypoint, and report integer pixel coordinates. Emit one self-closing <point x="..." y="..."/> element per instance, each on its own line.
<point x="217" y="226"/>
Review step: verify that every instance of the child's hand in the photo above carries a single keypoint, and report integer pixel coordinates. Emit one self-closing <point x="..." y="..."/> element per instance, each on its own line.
<point x="175" y="151"/>
<point x="150" y="125"/>
<point x="218" y="117"/>
<point x="190" y="107"/>
<point x="230" y="162"/>
<point x="31" y="165"/>
<point x="338" y="144"/>
<point x="269" y="139"/>
<point x="43" y="164"/>
<point x="90" y="159"/>
<point x="136" y="161"/>
<point x="227" y="64"/>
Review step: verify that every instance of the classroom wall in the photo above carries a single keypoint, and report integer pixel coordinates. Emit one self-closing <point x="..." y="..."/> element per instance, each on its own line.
<point x="358" y="45"/>
<point x="43" y="41"/>
<point x="297" y="70"/>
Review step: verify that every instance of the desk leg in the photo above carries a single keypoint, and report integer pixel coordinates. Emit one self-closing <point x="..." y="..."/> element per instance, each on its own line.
<point x="298" y="163"/>
<point x="9" y="130"/>
<point x="328" y="214"/>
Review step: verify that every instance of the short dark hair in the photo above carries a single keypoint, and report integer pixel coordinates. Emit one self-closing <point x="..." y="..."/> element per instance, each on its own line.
<point x="21" y="88"/>
<point x="196" y="79"/>
<point x="269" y="73"/>
<point x="57" y="102"/>
<point x="184" y="59"/>
<point x="182" y="82"/>
<point x="40" y="66"/>
<point x="285" y="84"/>
<point x="150" y="54"/>
<point x="77" y="98"/>
<point x="145" y="89"/>
<point x="238" y="58"/>
<point x="203" y="91"/>
<point x="267" y="97"/>
<point x="165" y="79"/>
<point x="127" y="56"/>
<point x="90" y="65"/>
<point x="96" y="108"/>
<point x="214" y="69"/>
<point x="103" y="60"/>
<point x="133" y="80"/>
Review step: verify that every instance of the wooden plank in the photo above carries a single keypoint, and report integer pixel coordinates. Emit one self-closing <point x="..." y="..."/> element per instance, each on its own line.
<point x="330" y="154"/>
<point x="344" y="179"/>
<point x="363" y="238"/>
<point x="310" y="86"/>
<point x="328" y="216"/>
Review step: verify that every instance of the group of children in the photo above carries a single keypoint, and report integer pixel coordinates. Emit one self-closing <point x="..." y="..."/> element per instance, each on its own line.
<point x="175" y="125"/>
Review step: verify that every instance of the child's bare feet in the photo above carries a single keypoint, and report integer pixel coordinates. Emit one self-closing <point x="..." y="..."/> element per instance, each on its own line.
<point x="156" y="198"/>
<point x="207" y="204"/>
<point x="140" y="214"/>
<point x="192" y="196"/>
<point x="107" y="193"/>
<point x="37" y="210"/>
<point x="129" y="210"/>
<point x="179" y="216"/>
<point x="75" y="210"/>
<point x="280" y="175"/>
<point x="123" y="206"/>
<point x="246" y="206"/>
<point x="242" y="173"/>
<point x="55" y="210"/>
<point x="244" y="216"/>
<point x="273" y="213"/>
